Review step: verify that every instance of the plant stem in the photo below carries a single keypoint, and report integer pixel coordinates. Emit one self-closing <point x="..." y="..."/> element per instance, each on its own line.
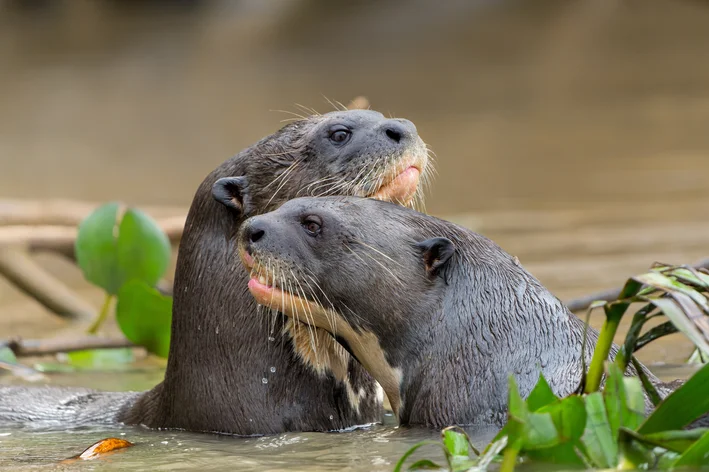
<point x="509" y="459"/>
<point x="603" y="346"/>
<point x="103" y="314"/>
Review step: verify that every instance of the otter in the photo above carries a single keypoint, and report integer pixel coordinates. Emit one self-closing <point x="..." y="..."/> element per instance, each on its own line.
<point x="438" y="314"/>
<point x="228" y="370"/>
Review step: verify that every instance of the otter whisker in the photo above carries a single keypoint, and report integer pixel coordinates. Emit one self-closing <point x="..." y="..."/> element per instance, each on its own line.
<point x="308" y="110"/>
<point x="329" y="186"/>
<point x="377" y="251"/>
<point x="360" y="187"/>
<point x="284" y="174"/>
<point x="301" y="297"/>
<point x="333" y="189"/>
<point x="310" y="322"/>
<point x="274" y="313"/>
<point x="330" y="321"/>
<point x="378" y="263"/>
<point x="291" y="113"/>
<point x="306" y="325"/>
<point x="357" y="179"/>
<point x="317" y="184"/>
<point x="284" y="182"/>
<point x="335" y="104"/>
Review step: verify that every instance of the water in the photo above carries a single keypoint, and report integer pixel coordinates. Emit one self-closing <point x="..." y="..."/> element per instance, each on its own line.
<point x="573" y="134"/>
<point x="373" y="449"/>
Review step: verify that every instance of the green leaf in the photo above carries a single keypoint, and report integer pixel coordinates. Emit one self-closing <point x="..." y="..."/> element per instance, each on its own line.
<point x="144" y="315"/>
<point x="540" y="432"/>
<point x="614" y="398"/>
<point x="664" y="283"/>
<point x="633" y="455"/>
<point x="492" y="450"/>
<point x="569" y="417"/>
<point x="425" y="464"/>
<point x="101" y="359"/>
<point x="95" y="248"/>
<point x="456" y="443"/>
<point x="696" y="455"/>
<point x="563" y="454"/>
<point x="598" y="439"/>
<point x="515" y="429"/>
<point x="681" y="407"/>
<point x="624" y="400"/>
<point x="399" y="465"/>
<point x="143" y="250"/>
<point x="647" y="384"/>
<point x="541" y="395"/>
<point x="631" y="337"/>
<point x="110" y="252"/>
<point x="656" y="332"/>
<point x="635" y="403"/>
<point x="691" y="276"/>
<point x="677" y="441"/>
<point x="672" y="310"/>
<point x="6" y="355"/>
<point x="517" y="407"/>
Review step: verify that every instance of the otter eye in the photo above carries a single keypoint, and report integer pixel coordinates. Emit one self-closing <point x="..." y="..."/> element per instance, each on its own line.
<point x="312" y="225"/>
<point x="340" y="135"/>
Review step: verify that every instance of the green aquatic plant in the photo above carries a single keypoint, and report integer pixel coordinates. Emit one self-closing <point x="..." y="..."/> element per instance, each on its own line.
<point x="124" y="251"/>
<point x="609" y="428"/>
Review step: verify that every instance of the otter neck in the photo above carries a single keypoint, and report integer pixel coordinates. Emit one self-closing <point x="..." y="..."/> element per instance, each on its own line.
<point x="456" y="364"/>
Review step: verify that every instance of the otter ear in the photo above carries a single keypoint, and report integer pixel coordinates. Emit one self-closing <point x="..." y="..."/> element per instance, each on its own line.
<point x="436" y="254"/>
<point x="231" y="192"/>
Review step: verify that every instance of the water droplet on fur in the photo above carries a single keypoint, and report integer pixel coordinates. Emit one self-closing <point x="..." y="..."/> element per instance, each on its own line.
<point x="217" y="330"/>
<point x="273" y="370"/>
<point x="264" y="380"/>
<point x="331" y="417"/>
<point x="271" y="338"/>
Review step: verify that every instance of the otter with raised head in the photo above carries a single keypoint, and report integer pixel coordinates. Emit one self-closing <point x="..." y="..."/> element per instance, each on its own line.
<point x="229" y="370"/>
<point x="438" y="314"/>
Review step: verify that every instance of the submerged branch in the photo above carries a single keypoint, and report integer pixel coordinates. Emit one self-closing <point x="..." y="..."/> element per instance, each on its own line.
<point x="59" y="212"/>
<point x="60" y="239"/>
<point x="42" y="347"/>
<point x="25" y="274"/>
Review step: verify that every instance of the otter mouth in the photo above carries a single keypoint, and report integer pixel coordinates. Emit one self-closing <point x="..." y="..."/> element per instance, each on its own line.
<point x="365" y="345"/>
<point x="402" y="183"/>
<point x="264" y="286"/>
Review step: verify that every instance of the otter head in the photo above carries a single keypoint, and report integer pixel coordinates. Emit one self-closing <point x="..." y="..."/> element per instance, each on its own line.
<point x="339" y="264"/>
<point x="356" y="152"/>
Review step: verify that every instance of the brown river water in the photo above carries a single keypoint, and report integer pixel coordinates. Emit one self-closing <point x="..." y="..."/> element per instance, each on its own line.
<point x="574" y="134"/>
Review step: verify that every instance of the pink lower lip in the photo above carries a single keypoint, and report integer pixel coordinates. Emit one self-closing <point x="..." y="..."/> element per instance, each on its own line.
<point x="261" y="292"/>
<point x="410" y="171"/>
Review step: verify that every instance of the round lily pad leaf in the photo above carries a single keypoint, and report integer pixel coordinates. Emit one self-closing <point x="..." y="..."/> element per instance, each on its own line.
<point x="95" y="248"/>
<point x="143" y="249"/>
<point x="112" y="249"/>
<point x="144" y="315"/>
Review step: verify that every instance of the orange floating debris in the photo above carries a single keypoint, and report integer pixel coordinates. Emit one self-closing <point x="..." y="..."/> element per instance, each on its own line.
<point x="100" y="448"/>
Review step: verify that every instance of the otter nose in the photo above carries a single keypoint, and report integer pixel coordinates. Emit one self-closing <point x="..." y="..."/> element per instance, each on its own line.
<point x="399" y="130"/>
<point x="255" y="231"/>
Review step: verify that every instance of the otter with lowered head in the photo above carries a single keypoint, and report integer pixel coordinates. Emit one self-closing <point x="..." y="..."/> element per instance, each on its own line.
<point x="439" y="315"/>
<point x="229" y="370"/>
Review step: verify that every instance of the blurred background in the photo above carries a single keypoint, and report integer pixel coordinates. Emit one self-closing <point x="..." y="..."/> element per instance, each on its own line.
<point x="572" y="132"/>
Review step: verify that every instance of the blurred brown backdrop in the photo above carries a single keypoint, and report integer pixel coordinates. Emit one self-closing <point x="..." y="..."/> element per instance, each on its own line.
<point x="574" y="133"/>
